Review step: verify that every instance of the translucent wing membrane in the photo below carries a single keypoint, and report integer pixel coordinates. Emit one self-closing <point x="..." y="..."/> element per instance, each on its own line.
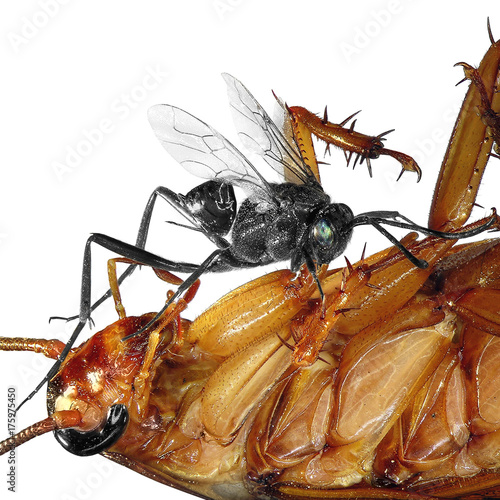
<point x="204" y="152"/>
<point x="260" y="135"/>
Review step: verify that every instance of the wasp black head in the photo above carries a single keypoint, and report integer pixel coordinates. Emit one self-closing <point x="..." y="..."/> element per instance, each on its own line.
<point x="330" y="232"/>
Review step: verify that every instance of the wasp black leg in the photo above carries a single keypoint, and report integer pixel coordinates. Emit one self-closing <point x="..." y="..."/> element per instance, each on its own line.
<point x="143" y="257"/>
<point x="210" y="262"/>
<point x="93" y="442"/>
<point x="220" y="215"/>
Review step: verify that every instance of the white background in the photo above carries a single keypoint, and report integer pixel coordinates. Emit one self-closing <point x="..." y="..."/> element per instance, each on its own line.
<point x="65" y="71"/>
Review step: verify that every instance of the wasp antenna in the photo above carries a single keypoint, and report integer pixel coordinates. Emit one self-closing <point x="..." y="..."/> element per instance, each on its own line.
<point x="325" y="116"/>
<point x="342" y="123"/>
<point x="377" y="218"/>
<point x="490" y="34"/>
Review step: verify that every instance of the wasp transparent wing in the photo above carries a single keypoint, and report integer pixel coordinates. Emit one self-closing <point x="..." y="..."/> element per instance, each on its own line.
<point x="260" y="134"/>
<point x="203" y="152"/>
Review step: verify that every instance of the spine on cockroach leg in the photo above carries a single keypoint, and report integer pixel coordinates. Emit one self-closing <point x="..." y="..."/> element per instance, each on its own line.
<point x="366" y="147"/>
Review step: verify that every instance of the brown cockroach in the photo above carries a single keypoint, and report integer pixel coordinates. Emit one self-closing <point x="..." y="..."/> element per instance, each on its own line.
<point x="388" y="388"/>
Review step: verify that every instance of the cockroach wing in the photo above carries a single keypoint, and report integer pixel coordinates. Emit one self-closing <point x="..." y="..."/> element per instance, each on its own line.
<point x="203" y="152"/>
<point x="260" y="134"/>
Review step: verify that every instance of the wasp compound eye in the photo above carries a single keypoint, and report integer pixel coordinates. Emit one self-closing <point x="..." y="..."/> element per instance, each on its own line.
<point x="323" y="233"/>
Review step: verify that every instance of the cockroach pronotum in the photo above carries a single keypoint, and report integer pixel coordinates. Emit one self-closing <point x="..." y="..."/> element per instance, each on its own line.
<point x="381" y="383"/>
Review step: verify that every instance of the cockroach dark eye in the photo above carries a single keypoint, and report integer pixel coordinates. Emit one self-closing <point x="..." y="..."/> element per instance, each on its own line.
<point x="323" y="233"/>
<point x="85" y="444"/>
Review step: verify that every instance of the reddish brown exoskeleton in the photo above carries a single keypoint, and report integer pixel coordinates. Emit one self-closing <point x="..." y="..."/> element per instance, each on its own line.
<point x="386" y="389"/>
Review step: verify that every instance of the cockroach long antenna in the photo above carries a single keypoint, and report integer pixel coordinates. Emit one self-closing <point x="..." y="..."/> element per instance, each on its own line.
<point x="59" y="420"/>
<point x="55" y="367"/>
<point x="342" y="123"/>
<point x="490" y="34"/>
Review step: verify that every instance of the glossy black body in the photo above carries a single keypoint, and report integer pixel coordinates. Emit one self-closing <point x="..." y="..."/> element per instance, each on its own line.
<point x="263" y="234"/>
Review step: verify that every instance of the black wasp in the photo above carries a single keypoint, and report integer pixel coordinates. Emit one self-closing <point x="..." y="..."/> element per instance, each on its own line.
<point x="292" y="220"/>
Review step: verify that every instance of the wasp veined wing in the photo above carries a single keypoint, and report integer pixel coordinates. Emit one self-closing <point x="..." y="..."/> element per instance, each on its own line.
<point x="260" y="135"/>
<point x="203" y="152"/>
